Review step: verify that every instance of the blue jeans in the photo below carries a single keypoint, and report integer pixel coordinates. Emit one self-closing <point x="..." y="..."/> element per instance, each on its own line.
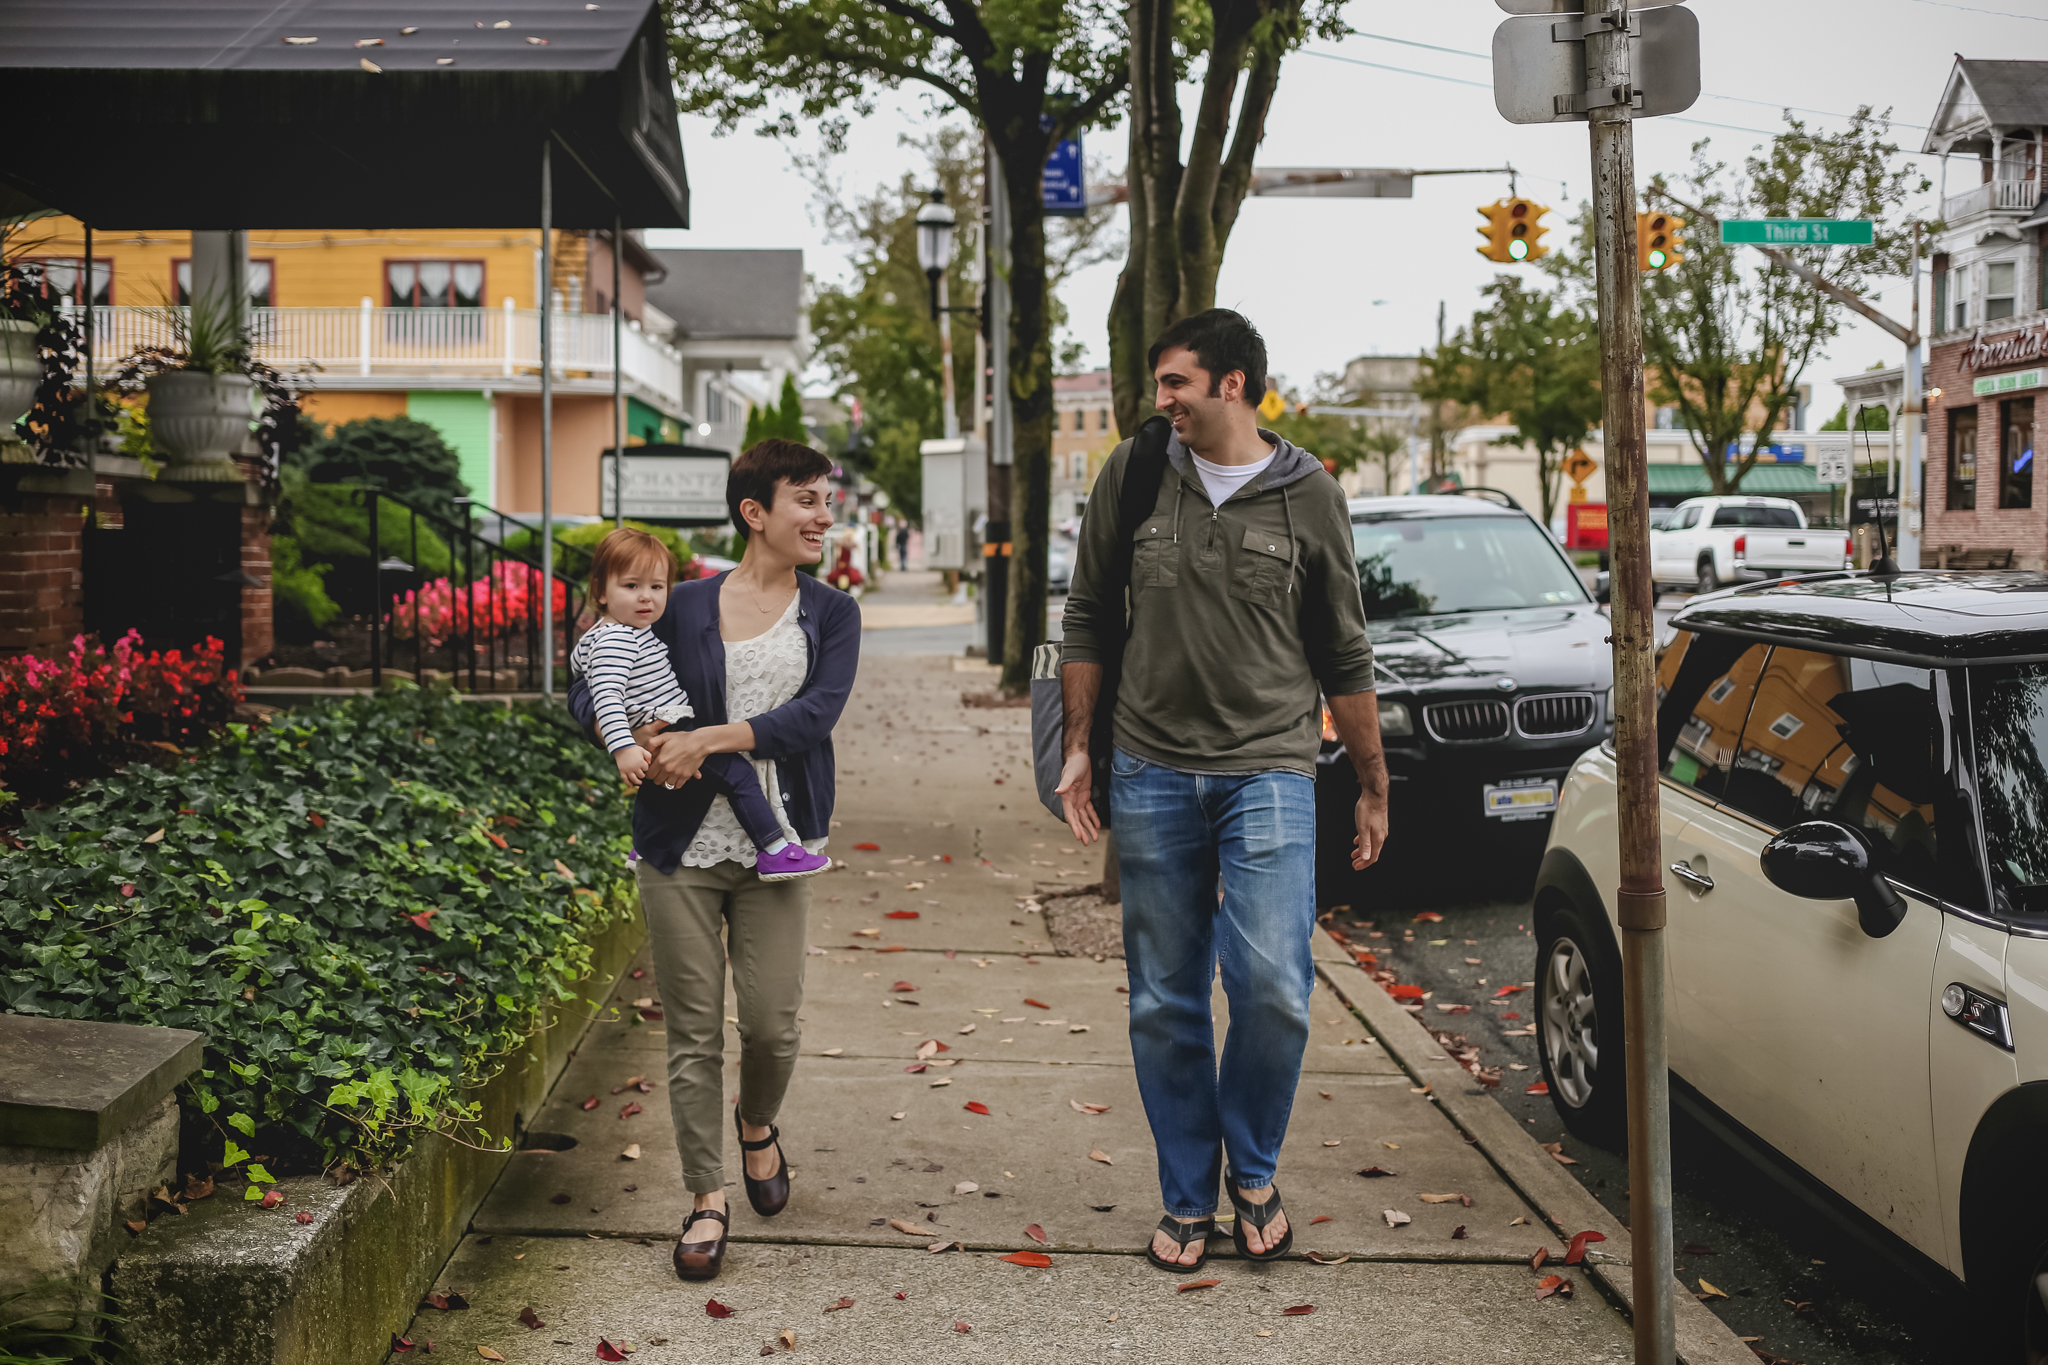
<point x="1176" y="834"/>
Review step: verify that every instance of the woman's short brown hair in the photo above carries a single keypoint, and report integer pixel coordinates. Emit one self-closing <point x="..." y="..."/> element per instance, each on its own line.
<point x="761" y="466"/>
<point x="623" y="551"/>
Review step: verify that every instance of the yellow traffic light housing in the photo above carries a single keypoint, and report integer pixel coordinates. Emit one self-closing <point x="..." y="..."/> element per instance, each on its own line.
<point x="1659" y="243"/>
<point x="1512" y="232"/>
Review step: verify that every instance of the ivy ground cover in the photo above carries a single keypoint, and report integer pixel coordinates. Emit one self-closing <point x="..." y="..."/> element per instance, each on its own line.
<point x="364" y="906"/>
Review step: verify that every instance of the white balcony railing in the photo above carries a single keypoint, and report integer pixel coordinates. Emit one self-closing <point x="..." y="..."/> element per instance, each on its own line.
<point x="1991" y="195"/>
<point x="402" y="343"/>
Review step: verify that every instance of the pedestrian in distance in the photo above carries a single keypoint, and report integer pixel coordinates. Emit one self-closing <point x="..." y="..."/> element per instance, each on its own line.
<point x="1220" y="601"/>
<point x="632" y="686"/>
<point x="767" y="657"/>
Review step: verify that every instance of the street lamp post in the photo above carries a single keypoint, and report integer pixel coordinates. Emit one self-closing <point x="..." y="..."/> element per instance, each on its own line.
<point x="935" y="223"/>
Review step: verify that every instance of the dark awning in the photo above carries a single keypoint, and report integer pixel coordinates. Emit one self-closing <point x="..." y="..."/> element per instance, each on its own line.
<point x="200" y="113"/>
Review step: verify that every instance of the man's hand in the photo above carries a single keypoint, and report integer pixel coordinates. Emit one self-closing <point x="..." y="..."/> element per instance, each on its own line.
<point x="632" y="761"/>
<point x="1077" y="797"/>
<point x="1357" y="719"/>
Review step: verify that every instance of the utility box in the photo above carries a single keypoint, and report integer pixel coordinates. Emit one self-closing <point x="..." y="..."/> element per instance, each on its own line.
<point x="955" y="499"/>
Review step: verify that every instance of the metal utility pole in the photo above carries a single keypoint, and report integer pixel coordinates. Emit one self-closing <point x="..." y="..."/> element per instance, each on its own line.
<point x="995" y="549"/>
<point x="1640" y="898"/>
<point x="947" y="398"/>
<point x="618" y="378"/>
<point x="1912" y="416"/>
<point x="547" y="423"/>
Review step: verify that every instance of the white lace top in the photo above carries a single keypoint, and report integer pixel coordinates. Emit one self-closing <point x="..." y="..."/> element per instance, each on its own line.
<point x="760" y="675"/>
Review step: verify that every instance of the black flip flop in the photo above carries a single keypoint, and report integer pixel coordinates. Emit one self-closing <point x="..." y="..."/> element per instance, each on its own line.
<point x="1183" y="1233"/>
<point x="1258" y="1215"/>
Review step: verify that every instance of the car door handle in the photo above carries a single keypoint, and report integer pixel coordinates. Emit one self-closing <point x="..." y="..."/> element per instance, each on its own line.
<point x="1687" y="873"/>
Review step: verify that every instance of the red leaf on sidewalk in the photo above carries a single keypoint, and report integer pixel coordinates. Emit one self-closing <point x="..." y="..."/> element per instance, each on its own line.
<point x="1040" y="1004"/>
<point x="1458" y="1233"/>
<point x="531" y="1319"/>
<point x="901" y="914"/>
<point x="1554" y="1284"/>
<point x="1036" y="1259"/>
<point x="964" y="1328"/>
<point x="903" y="986"/>
<point x="1542" y="1255"/>
<point x="976" y="1107"/>
<point x="1197" y="1284"/>
<point x="272" y="1199"/>
<point x="901" y="1295"/>
<point x="868" y="848"/>
<point x="1430" y="917"/>
<point x="590" y="1104"/>
<point x="1405" y="992"/>
<point x="630" y="1108"/>
<point x="713" y="1308"/>
<point x="1300" y="1310"/>
<point x="1508" y="990"/>
<point x="303" y="1217"/>
<point x="1035" y="1233"/>
<point x="607" y="1351"/>
<point x="916" y="1068"/>
<point x="1540" y="1088"/>
<point x="835" y="1307"/>
<point x="399" y="1343"/>
<point x="1577" y="1251"/>
<point x="1319" y="1218"/>
<point x="1509" y="1014"/>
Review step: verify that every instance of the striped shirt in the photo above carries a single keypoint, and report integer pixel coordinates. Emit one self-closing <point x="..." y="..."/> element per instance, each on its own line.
<point x="631" y="680"/>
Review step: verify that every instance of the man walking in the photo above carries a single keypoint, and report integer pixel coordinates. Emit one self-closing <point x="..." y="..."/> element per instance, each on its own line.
<point x="1243" y="601"/>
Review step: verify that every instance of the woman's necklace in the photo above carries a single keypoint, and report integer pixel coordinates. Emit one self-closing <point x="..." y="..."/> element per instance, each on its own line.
<point x="758" y="605"/>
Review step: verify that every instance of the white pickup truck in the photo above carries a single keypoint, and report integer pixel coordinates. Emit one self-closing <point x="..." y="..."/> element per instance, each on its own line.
<point x="1710" y="543"/>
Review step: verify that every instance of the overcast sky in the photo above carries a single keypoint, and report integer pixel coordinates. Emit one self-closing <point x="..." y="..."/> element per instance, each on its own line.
<point x="1326" y="280"/>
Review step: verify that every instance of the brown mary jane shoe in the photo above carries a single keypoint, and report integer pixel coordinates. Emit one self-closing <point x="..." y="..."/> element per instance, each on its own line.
<point x="701" y="1260"/>
<point x="770" y="1196"/>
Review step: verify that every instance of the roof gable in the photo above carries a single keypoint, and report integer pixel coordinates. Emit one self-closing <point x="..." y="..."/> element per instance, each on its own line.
<point x="1983" y="97"/>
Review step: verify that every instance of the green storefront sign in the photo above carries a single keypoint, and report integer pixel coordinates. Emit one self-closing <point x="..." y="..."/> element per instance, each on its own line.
<point x="1796" y="231"/>
<point x="2006" y="383"/>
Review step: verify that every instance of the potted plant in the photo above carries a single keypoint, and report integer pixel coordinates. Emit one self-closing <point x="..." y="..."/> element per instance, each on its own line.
<point x="38" y="355"/>
<point x="201" y="393"/>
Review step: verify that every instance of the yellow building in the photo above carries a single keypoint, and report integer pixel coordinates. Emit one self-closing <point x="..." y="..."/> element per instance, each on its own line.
<point x="441" y="325"/>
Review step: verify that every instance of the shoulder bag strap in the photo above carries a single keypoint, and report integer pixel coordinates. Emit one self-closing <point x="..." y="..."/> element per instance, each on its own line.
<point x="1144" y="472"/>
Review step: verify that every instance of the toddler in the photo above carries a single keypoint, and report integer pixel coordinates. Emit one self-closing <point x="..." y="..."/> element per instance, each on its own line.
<point x="632" y="684"/>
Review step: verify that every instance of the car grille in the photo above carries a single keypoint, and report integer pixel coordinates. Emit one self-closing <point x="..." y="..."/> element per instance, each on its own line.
<point x="1466" y="722"/>
<point x="1566" y="713"/>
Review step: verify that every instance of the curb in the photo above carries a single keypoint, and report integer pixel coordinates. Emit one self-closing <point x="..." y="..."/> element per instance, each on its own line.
<point x="1702" y="1338"/>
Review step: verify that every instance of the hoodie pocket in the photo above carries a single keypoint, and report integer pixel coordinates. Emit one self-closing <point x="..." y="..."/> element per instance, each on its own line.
<point x="1264" y="560"/>
<point x="1155" y="561"/>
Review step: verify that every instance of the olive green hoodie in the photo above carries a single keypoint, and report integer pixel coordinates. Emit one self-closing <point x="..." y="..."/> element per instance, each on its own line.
<point x="1237" y="614"/>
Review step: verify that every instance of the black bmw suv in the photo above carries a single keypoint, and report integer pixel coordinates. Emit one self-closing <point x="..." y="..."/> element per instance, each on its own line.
<point x="1494" y="674"/>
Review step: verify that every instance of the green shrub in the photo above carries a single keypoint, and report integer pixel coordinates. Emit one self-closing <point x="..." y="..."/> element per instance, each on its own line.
<point x="398" y="454"/>
<point x="363" y="906"/>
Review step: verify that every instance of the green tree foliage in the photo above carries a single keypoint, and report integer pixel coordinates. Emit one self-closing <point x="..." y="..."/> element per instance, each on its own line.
<point x="1532" y="358"/>
<point x="1183" y="205"/>
<point x="397" y="454"/>
<point x="1869" y="419"/>
<point x="1029" y="72"/>
<point x="784" y="421"/>
<point x="320" y="559"/>
<point x="1727" y="333"/>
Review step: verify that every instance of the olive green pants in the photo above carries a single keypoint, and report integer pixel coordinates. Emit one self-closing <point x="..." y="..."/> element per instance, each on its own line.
<point x="763" y="926"/>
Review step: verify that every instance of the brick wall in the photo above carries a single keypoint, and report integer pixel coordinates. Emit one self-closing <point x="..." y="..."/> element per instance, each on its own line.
<point x="258" y="634"/>
<point x="2024" y="530"/>
<point x="42" y="602"/>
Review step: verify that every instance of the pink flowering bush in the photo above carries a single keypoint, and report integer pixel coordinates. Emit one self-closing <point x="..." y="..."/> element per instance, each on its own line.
<point x="80" y="714"/>
<point x="503" y="603"/>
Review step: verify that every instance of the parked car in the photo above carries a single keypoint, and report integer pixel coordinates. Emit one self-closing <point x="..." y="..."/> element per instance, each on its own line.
<point x="1494" y="674"/>
<point x="1660" y="517"/>
<point x="1712" y="542"/>
<point x="1059" y="566"/>
<point x="1854" y="805"/>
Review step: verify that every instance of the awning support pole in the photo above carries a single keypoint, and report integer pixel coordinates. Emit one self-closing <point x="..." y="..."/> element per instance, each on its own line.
<point x="547" y="423"/>
<point x="618" y="378"/>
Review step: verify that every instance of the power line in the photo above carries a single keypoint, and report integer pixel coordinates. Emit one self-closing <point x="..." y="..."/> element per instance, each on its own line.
<point x="1735" y="99"/>
<point x="2000" y="13"/>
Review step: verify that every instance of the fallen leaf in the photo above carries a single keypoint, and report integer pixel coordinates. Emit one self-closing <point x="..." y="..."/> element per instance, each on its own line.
<point x="300" y="42"/>
<point x="446" y="1303"/>
<point x="137" y="1226"/>
<point x="1329" y="1260"/>
<point x="1472" y="962"/>
<point x="835" y="1307"/>
<point x="370" y="66"/>
<point x="1440" y="1198"/>
<point x="1097" y="1154"/>
<point x="1375" y="1172"/>
<point x="1326" y="1094"/>
<point x="1320" y="1218"/>
<point x="714" y="1308"/>
<point x="786" y="1338"/>
<point x="1577" y="1251"/>
<point x="1443" y="1008"/>
<point x="1079" y="1106"/>
<point x="607" y="1351"/>
<point x="1300" y="1310"/>
<point x="1198" y="1284"/>
<point x="422" y="917"/>
<point x="966" y="1187"/>
<point x="968" y="1029"/>
<point x="1333" y="1142"/>
<point x="1556" y="1150"/>
<point x="834" y="1052"/>
<point x="867" y="848"/>
<point x="303" y="1217"/>
<point x="197" y="1186"/>
<point x="531" y="1319"/>
<point x="488" y="1354"/>
<point x="903" y="986"/>
<point x="1542" y="1255"/>
<point x="1554" y="1284"/>
<point x="1458" y="1233"/>
<point x="1035" y="1233"/>
<point x="272" y="1199"/>
<point x="1507" y="990"/>
<point x="1103" y="1208"/>
<point x="1391" y="1146"/>
<point x="1395" y="1218"/>
<point x="901" y="914"/>
<point x="1037" y="1260"/>
<point x="590" y="1104"/>
<point x="369" y="42"/>
<point x="1040" y="1004"/>
<point x="976" y="1107"/>
<point x="1540" y="1088"/>
<point x="1708" y="1291"/>
<point x="937" y="1247"/>
<point x="1405" y="992"/>
<point x="632" y="1152"/>
<point x="908" y="1229"/>
<point x="630" y="1108"/>
<point x="155" y="838"/>
<point x="867" y="933"/>
<point x="962" y="1328"/>
<point x="1518" y="1221"/>
<point x="399" y="1343"/>
<point x="1429" y="917"/>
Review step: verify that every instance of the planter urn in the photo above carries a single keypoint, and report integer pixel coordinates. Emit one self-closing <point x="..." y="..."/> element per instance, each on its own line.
<point x="21" y="370"/>
<point x="198" y="421"/>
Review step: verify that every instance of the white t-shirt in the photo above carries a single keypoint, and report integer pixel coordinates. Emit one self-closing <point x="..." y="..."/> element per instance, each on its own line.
<point x="1223" y="480"/>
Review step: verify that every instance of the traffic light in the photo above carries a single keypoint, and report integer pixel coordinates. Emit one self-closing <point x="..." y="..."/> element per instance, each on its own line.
<point x="1659" y="241"/>
<point x="1512" y="231"/>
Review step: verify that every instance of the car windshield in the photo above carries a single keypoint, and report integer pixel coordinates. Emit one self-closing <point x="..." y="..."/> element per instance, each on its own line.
<point x="2009" y="709"/>
<point x="1421" y="566"/>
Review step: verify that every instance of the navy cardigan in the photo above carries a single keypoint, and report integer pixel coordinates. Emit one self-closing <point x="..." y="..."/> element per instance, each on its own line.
<point x="796" y="736"/>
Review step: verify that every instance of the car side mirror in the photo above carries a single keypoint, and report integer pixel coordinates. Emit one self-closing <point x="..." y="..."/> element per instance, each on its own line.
<point x="1821" y="860"/>
<point x="1603" y="587"/>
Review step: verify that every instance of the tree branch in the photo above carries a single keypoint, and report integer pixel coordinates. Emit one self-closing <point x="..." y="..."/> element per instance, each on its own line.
<point x="925" y="20"/>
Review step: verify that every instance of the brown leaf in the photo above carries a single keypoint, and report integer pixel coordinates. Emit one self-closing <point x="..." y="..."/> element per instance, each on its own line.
<point x="1038" y="1004"/>
<point x="1458" y="1233"/>
<point x="607" y="1351"/>
<point x="1320" y="1218"/>
<point x="630" y="1108"/>
<point x="1198" y="1284"/>
<point x="1097" y="1154"/>
<point x="1038" y="1260"/>
<point x="786" y="1338"/>
<point x="713" y="1308"/>
<point x="137" y="1226"/>
<point x="835" y="1307"/>
<point x="1328" y="1260"/>
<point x="1081" y="1107"/>
<point x="1440" y="1198"/>
<point x="1556" y="1150"/>
<point x="197" y="1186"/>
<point x="488" y="1354"/>
<point x="590" y="1104"/>
<point x="1375" y="1172"/>
<point x="907" y="1229"/>
<point x="531" y="1319"/>
<point x="937" y="1247"/>
<point x="1554" y="1284"/>
<point x="632" y="1152"/>
<point x="1577" y="1251"/>
<point x="1536" y="1261"/>
<point x="563" y="869"/>
<point x="1395" y="1218"/>
<point x="963" y="1328"/>
<point x="1035" y="1233"/>
<point x="1708" y="1291"/>
<point x="1300" y="1310"/>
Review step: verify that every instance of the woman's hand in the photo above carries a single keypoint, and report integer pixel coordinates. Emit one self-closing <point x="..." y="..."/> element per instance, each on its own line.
<point x="678" y="756"/>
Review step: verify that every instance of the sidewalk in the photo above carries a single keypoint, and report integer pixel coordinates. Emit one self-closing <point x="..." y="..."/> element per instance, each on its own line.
<point x="988" y="1140"/>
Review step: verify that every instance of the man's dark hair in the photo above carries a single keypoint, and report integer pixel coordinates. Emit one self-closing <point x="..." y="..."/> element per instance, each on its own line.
<point x="764" y="464"/>
<point x="1222" y="341"/>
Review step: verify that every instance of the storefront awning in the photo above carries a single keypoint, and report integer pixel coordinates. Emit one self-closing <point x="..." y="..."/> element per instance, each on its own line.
<point x="1764" y="480"/>
<point x="144" y="113"/>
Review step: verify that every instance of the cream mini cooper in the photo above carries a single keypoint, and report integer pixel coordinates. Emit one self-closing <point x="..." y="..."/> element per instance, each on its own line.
<point x="1854" y="801"/>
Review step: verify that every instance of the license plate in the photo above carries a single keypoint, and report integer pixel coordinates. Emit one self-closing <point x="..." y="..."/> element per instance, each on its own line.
<point x="1520" y="800"/>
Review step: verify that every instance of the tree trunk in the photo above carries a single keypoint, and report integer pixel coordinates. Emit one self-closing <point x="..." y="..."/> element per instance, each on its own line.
<point x="1031" y="409"/>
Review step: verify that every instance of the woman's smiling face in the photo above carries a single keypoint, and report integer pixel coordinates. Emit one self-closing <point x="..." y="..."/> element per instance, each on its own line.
<point x="794" y="527"/>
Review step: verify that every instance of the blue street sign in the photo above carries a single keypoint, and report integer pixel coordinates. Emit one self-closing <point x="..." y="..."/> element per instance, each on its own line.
<point x="1772" y="454"/>
<point x="1066" y="177"/>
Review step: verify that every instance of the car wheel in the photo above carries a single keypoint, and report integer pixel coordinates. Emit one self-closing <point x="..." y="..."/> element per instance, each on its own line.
<point x="1578" y="1026"/>
<point x="1709" y="581"/>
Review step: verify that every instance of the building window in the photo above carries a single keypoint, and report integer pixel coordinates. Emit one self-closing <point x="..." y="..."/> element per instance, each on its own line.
<point x="1962" y="459"/>
<point x="1102" y="419"/>
<point x="63" y="278"/>
<point x="262" y="283"/>
<point x="2016" y="452"/>
<point x="2000" y="289"/>
<point x="1080" y="422"/>
<point x="1667" y="417"/>
<point x="434" y="284"/>
<point x="1940" y="298"/>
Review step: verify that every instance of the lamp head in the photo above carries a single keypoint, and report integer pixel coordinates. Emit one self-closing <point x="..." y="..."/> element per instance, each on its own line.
<point x="935" y="236"/>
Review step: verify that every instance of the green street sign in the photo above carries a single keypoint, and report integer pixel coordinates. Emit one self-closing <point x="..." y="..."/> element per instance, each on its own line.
<point x="1796" y="231"/>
